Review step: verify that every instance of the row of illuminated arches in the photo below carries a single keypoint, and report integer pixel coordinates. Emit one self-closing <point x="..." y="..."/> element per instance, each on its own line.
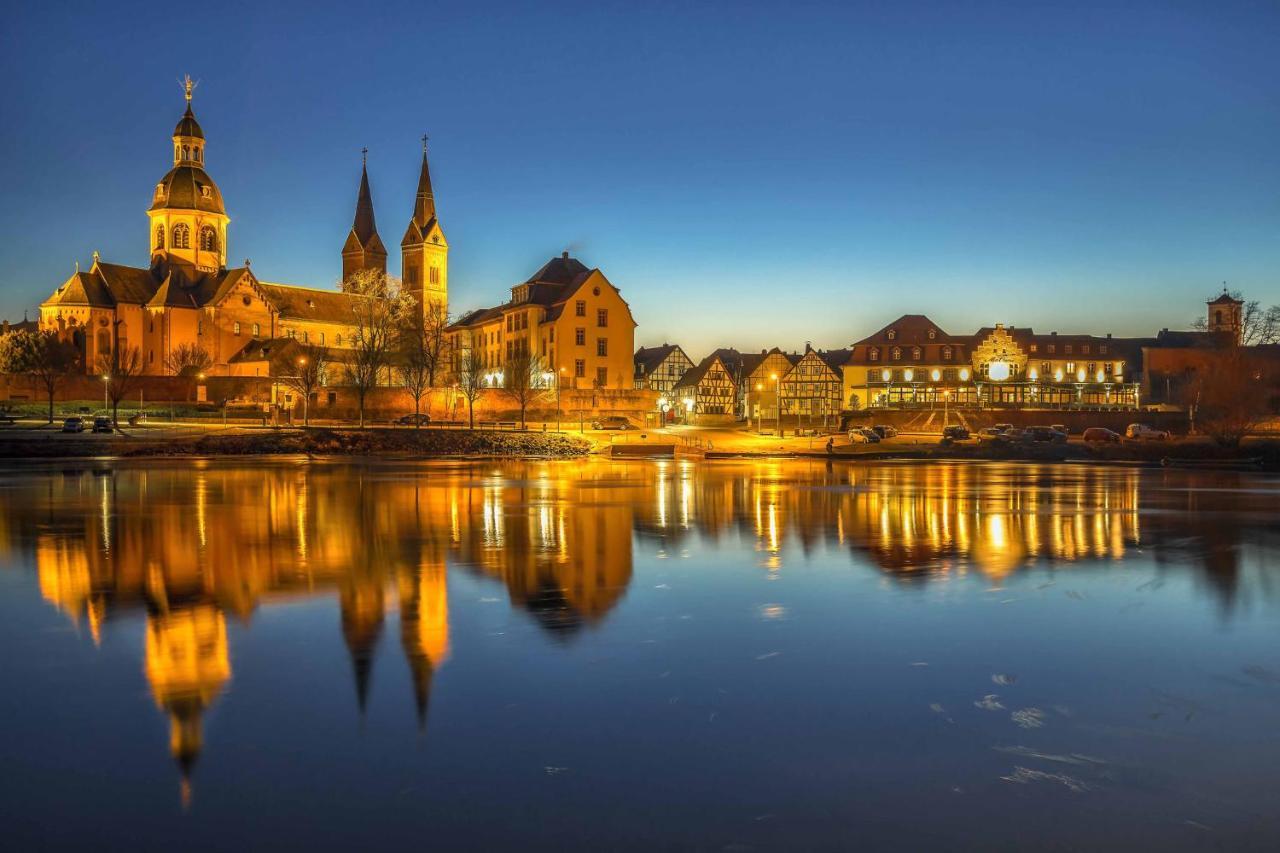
<point x="187" y="152"/>
<point x="181" y="237"/>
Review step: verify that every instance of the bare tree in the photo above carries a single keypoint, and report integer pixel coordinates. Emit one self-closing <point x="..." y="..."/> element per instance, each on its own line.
<point x="379" y="307"/>
<point x="120" y="371"/>
<point x="43" y="356"/>
<point x="523" y="382"/>
<point x="422" y="354"/>
<point x="309" y="371"/>
<point x="187" y="360"/>
<point x="470" y="381"/>
<point x="1258" y="325"/>
<point x="1231" y="394"/>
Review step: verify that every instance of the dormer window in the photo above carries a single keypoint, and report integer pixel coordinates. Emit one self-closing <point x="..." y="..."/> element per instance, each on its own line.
<point x="873" y="354"/>
<point x="915" y="353"/>
<point x="932" y="334"/>
<point x="892" y="335"/>
<point x="205" y="192"/>
<point x="896" y="354"/>
<point x="311" y="303"/>
<point x="160" y="190"/>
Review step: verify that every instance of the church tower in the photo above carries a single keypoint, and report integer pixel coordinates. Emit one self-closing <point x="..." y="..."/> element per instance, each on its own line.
<point x="424" y="251"/>
<point x="363" y="249"/>
<point x="188" y="222"/>
<point x="1226" y="316"/>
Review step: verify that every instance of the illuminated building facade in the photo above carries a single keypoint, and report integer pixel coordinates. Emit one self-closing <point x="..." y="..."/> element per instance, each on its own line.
<point x="188" y="296"/>
<point x="568" y="318"/>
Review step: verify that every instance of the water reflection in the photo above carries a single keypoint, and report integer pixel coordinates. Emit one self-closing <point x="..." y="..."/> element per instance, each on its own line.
<point x="191" y="546"/>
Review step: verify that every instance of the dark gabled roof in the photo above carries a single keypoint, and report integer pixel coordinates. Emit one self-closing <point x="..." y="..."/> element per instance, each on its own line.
<point x="83" y="288"/>
<point x="279" y="352"/>
<point x="835" y="358"/>
<point x="647" y="358"/>
<point x="1026" y="335"/>
<point x="551" y="287"/>
<point x="424" y="202"/>
<point x="911" y="329"/>
<point x="305" y="303"/>
<point x="1225" y="298"/>
<point x="694" y="375"/>
<point x="24" y="325"/>
<point x="131" y="285"/>
<point x="563" y="270"/>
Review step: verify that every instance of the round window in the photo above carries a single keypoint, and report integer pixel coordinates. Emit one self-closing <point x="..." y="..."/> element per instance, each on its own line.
<point x="247" y="301"/>
<point x="595" y="291"/>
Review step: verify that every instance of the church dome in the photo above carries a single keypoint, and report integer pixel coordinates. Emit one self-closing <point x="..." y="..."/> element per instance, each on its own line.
<point x="188" y="126"/>
<point x="188" y="187"/>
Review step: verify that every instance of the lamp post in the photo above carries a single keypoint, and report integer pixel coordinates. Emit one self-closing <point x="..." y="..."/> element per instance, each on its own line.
<point x="106" y="384"/>
<point x="759" y="408"/>
<point x="688" y="410"/>
<point x="777" y="397"/>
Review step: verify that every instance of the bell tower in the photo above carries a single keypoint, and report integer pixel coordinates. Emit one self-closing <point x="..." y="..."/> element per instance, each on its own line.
<point x="1226" y="316"/>
<point x="424" y="250"/>
<point x="187" y="221"/>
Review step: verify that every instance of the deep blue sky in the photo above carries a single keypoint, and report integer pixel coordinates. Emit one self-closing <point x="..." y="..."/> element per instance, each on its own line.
<point x="748" y="174"/>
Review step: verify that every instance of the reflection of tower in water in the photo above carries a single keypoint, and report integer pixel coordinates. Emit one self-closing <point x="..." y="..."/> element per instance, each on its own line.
<point x="424" y="629"/>
<point x="187" y="664"/>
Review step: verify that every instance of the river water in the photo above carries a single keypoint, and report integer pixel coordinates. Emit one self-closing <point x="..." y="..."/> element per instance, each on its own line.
<point x="766" y="655"/>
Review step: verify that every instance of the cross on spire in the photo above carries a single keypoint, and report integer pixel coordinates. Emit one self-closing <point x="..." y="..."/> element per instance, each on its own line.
<point x="364" y="156"/>
<point x="424" y="143"/>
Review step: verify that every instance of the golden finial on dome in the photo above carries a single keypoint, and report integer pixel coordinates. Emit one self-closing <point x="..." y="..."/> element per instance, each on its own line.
<point x="188" y="85"/>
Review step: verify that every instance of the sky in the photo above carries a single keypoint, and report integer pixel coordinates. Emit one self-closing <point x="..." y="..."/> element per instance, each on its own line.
<point x="748" y="174"/>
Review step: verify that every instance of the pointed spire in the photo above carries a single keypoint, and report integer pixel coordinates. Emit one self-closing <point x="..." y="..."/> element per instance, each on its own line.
<point x="424" y="206"/>
<point x="364" y="225"/>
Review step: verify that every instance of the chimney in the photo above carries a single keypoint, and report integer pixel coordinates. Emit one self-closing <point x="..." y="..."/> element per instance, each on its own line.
<point x="1053" y="334"/>
<point x="564" y="255"/>
<point x="1108" y="336"/>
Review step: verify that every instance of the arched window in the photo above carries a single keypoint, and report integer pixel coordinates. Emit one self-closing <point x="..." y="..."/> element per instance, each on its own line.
<point x="873" y="354"/>
<point x="1217" y="318"/>
<point x="159" y="236"/>
<point x="186" y="153"/>
<point x="257" y="330"/>
<point x="235" y="328"/>
<point x="897" y="354"/>
<point x="322" y="339"/>
<point x="181" y="237"/>
<point x="915" y="353"/>
<point x="946" y="353"/>
<point x="892" y="334"/>
<point x="208" y="239"/>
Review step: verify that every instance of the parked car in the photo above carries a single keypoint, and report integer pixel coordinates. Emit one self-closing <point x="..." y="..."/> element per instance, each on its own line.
<point x="1044" y="435"/>
<point x="1062" y="428"/>
<point x="1004" y="427"/>
<point x="954" y="433"/>
<point x="611" y="422"/>
<point x="863" y="435"/>
<point x="991" y="434"/>
<point x="102" y="423"/>
<point x="884" y="430"/>
<point x="1101" y="434"/>
<point x="1013" y="434"/>
<point x="1142" y="432"/>
<point x="414" y="420"/>
<point x="73" y="425"/>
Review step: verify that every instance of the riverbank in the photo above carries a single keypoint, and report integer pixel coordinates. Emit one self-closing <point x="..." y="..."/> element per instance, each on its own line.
<point x="433" y="443"/>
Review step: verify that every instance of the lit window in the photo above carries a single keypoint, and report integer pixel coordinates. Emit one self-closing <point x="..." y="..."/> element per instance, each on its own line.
<point x="896" y="354"/>
<point x="208" y="239"/>
<point x="257" y="330"/>
<point x="873" y="354"/>
<point x="181" y="237"/>
<point x="159" y="236"/>
<point x="235" y="328"/>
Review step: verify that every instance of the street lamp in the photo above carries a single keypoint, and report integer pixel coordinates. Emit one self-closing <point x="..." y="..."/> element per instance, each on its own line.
<point x="777" y="396"/>
<point x="547" y="376"/>
<point x="106" y="384"/>
<point x="688" y="409"/>
<point x="759" y="407"/>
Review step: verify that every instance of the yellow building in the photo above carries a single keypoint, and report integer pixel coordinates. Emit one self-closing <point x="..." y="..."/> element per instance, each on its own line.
<point x="187" y="297"/>
<point x="572" y="319"/>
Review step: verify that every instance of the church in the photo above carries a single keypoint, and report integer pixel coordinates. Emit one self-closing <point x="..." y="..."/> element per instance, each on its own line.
<point x="188" y="298"/>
